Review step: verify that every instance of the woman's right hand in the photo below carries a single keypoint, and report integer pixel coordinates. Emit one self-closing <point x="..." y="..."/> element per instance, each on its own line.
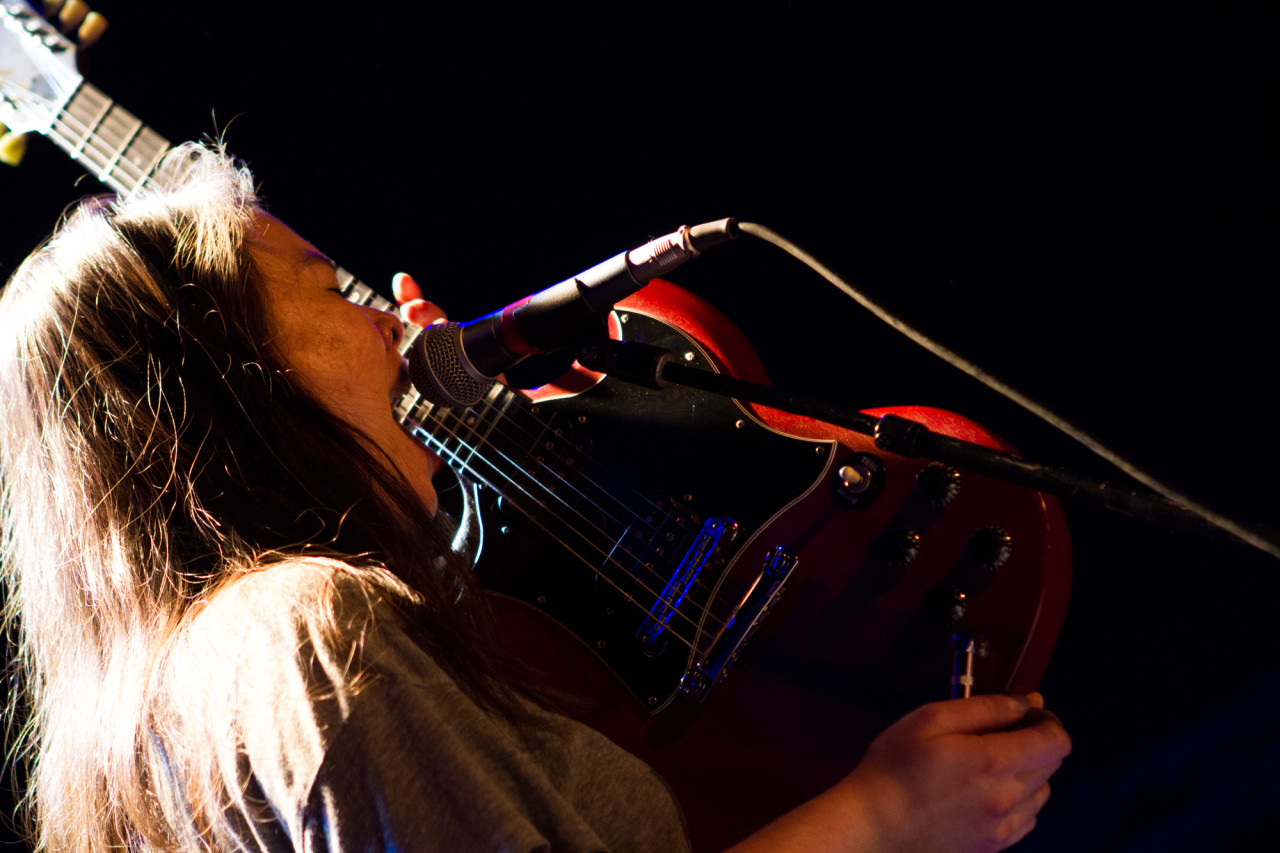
<point x="965" y="775"/>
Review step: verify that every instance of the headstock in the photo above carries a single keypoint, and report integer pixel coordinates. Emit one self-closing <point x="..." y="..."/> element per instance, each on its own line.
<point x="38" y="72"/>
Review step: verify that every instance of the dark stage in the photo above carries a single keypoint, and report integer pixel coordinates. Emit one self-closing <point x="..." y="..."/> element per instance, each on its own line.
<point x="1083" y="204"/>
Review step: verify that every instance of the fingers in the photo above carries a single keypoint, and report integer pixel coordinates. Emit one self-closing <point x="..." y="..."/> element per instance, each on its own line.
<point x="413" y="308"/>
<point x="1039" y="740"/>
<point x="405" y="288"/>
<point x="1037" y="777"/>
<point x="976" y="715"/>
<point x="1021" y="819"/>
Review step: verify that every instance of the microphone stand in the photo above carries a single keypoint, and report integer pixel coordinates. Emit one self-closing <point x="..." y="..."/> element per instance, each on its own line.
<point x="654" y="367"/>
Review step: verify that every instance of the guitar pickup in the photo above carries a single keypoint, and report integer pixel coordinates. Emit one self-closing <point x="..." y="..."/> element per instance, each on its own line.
<point x="755" y="604"/>
<point x="715" y="532"/>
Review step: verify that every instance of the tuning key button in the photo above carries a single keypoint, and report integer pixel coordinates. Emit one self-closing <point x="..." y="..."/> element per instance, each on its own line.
<point x="990" y="547"/>
<point x="91" y="29"/>
<point x="938" y="483"/>
<point x="898" y="546"/>
<point x="13" y="147"/>
<point x="71" y="14"/>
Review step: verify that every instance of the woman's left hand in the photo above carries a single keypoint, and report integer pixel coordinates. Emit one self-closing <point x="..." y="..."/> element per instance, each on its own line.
<point x="413" y="308"/>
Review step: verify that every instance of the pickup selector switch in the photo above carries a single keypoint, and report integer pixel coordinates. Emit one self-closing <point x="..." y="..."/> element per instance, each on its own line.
<point x="990" y="547"/>
<point x="859" y="479"/>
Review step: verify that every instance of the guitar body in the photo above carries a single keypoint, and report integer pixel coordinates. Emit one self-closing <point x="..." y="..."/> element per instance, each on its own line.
<point x="862" y="632"/>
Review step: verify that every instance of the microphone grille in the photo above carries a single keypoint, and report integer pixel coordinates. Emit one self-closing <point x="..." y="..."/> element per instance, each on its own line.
<point x="437" y="371"/>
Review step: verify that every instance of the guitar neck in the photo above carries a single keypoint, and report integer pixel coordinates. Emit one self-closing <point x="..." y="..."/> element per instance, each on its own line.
<point x="108" y="140"/>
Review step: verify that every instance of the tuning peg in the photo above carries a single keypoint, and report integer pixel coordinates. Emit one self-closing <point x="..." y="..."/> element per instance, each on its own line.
<point x="91" y="30"/>
<point x="72" y="14"/>
<point x="51" y="7"/>
<point x="13" y="147"/>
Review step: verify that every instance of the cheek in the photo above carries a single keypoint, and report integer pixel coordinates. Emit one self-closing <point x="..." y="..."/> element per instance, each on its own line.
<point x="345" y="365"/>
<point x="330" y="364"/>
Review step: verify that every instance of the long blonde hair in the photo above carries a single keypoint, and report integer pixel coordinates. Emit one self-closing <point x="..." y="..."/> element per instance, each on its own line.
<point x="152" y="447"/>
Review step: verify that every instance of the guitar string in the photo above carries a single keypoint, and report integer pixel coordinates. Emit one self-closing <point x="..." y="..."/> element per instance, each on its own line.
<point x="638" y="519"/>
<point x="371" y="298"/>
<point x="559" y="500"/>
<point x="595" y="567"/>
<point x="580" y="478"/>
<point x="90" y="142"/>
<point x="698" y="594"/>
<point x="89" y="149"/>
<point x="695" y="587"/>
<point x="585" y="480"/>
<point x="121" y="168"/>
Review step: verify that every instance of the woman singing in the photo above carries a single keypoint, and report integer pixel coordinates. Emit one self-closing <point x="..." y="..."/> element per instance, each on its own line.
<point x="240" y="625"/>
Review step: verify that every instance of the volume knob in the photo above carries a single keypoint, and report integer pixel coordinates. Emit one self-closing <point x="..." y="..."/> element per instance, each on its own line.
<point x="990" y="547"/>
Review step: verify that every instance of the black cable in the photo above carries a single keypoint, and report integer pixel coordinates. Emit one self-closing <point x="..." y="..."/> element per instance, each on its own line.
<point x="1209" y="516"/>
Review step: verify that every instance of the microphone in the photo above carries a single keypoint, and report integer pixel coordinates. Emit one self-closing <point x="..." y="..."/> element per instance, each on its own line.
<point x="451" y="364"/>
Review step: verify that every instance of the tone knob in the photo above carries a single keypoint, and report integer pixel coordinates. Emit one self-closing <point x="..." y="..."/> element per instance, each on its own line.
<point x="898" y="546"/>
<point x="990" y="547"/>
<point x="938" y="483"/>
<point x="944" y="607"/>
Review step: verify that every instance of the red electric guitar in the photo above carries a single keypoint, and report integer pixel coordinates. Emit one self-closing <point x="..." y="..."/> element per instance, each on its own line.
<point x="742" y="597"/>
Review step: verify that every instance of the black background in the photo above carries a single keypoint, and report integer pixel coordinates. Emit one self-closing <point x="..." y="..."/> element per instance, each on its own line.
<point x="1083" y="203"/>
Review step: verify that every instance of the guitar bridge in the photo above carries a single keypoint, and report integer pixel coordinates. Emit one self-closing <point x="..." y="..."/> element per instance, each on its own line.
<point x="727" y="645"/>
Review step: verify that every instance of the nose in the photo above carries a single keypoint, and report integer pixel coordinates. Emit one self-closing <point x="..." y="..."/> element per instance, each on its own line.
<point x="391" y="326"/>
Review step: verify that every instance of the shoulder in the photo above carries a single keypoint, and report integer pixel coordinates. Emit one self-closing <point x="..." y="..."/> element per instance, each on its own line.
<point x="268" y="670"/>
<point x="303" y="586"/>
<point x="297" y="605"/>
<point x="300" y="623"/>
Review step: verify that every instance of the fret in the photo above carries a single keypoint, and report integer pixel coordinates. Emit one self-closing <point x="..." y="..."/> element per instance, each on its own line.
<point x="144" y="155"/>
<point x="356" y="290"/>
<point x="500" y="410"/>
<point x="65" y="122"/>
<point x="87" y="108"/>
<point x="117" y="128"/>
<point x="467" y="421"/>
<point x="105" y="174"/>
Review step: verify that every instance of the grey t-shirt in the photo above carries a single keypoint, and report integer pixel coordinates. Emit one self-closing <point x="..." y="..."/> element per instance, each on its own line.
<point x="343" y="734"/>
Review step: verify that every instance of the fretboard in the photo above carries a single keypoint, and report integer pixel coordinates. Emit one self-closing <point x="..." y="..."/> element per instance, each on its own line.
<point x="108" y="140"/>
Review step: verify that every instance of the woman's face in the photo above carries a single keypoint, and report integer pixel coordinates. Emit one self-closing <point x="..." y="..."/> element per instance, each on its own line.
<point x="345" y="354"/>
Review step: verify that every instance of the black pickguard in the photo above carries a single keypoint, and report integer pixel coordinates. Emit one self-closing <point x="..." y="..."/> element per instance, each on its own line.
<point x="692" y="452"/>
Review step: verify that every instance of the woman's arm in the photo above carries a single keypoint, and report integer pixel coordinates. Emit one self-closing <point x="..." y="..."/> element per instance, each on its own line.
<point x="965" y="775"/>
